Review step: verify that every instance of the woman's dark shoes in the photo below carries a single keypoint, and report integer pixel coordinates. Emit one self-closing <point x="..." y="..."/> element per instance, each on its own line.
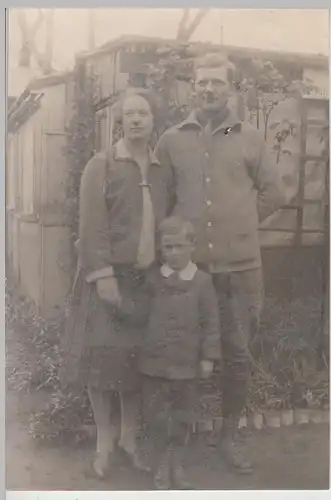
<point x="139" y="462"/>
<point x="137" y="459"/>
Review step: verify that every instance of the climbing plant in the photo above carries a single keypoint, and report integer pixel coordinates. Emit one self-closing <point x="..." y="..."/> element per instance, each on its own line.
<point x="265" y="87"/>
<point x="171" y="65"/>
<point x="80" y="138"/>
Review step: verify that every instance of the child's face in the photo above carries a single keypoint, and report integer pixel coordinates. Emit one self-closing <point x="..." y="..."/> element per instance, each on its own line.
<point x="176" y="250"/>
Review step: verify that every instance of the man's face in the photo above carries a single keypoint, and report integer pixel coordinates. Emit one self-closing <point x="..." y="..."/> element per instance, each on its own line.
<point x="176" y="250"/>
<point x="137" y="118"/>
<point x="212" y="88"/>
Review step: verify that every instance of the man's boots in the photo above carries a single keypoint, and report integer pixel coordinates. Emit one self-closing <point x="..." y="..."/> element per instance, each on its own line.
<point x="231" y="450"/>
<point x="179" y="481"/>
<point x="162" y="475"/>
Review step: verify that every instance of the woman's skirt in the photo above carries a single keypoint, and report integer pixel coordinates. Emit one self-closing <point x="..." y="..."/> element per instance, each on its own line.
<point x="100" y="347"/>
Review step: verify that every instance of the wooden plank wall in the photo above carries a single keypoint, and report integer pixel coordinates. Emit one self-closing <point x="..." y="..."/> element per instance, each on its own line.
<point x="37" y="169"/>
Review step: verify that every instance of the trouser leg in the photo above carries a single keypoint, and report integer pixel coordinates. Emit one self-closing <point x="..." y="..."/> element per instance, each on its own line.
<point x="179" y="433"/>
<point x="240" y="299"/>
<point x="155" y="402"/>
<point x="178" y="440"/>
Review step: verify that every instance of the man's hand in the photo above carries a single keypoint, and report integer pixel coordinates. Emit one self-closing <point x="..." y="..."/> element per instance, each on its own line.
<point x="108" y="291"/>
<point x="206" y="368"/>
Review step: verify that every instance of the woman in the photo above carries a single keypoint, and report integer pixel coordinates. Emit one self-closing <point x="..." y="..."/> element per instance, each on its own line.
<point x="124" y="195"/>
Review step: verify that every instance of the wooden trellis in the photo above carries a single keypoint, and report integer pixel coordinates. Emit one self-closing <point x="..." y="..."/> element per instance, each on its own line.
<point x="314" y="123"/>
<point x="320" y="123"/>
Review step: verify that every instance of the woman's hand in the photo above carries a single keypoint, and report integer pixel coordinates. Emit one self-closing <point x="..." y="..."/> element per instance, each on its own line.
<point x="108" y="291"/>
<point x="206" y="368"/>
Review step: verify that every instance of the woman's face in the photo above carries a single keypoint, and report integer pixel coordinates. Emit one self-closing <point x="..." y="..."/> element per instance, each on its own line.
<point x="137" y="118"/>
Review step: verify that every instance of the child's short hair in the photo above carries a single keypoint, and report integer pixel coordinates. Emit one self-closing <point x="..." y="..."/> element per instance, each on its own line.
<point x="177" y="225"/>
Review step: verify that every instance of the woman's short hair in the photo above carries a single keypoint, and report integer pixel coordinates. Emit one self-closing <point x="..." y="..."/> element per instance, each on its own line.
<point x="146" y="94"/>
<point x="177" y="225"/>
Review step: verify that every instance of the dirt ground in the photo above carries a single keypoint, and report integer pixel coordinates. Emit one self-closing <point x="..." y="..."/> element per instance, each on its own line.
<point x="286" y="458"/>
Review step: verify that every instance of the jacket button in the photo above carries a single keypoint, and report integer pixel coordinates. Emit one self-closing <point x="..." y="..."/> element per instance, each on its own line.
<point x="210" y="245"/>
<point x="208" y="202"/>
<point x="209" y="224"/>
<point x="207" y="179"/>
<point x="207" y="155"/>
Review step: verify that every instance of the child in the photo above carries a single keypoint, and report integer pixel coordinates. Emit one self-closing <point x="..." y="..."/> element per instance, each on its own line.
<point x="181" y="342"/>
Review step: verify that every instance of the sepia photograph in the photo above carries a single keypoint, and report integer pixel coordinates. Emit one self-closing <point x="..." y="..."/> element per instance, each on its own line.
<point x="167" y="249"/>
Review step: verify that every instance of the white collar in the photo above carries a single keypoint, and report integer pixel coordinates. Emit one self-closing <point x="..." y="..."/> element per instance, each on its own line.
<point x="122" y="153"/>
<point x="186" y="274"/>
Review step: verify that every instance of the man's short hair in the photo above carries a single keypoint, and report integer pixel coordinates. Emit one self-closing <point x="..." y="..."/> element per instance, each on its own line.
<point x="215" y="60"/>
<point x="177" y="225"/>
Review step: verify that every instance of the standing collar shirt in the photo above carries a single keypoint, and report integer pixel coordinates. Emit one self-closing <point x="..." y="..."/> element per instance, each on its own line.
<point x="230" y="122"/>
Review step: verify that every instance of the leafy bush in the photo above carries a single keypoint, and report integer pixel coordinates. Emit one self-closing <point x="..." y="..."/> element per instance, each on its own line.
<point x="63" y="418"/>
<point x="284" y="365"/>
<point x="36" y="369"/>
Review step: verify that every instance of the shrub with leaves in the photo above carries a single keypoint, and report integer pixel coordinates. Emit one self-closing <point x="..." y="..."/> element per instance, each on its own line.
<point x="37" y="351"/>
<point x="63" y="419"/>
<point x="284" y="365"/>
<point x="80" y="139"/>
<point x="286" y="129"/>
<point x="174" y="65"/>
<point x="36" y="369"/>
<point x="264" y="88"/>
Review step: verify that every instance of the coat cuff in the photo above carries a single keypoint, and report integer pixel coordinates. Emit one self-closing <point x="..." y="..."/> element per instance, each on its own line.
<point x="106" y="272"/>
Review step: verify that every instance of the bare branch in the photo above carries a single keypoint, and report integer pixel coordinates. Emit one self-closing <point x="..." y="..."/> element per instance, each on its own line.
<point x="183" y="23"/>
<point x="49" y="39"/>
<point x="22" y="22"/>
<point x="37" y="23"/>
<point x="24" y="57"/>
<point x="40" y="59"/>
<point x="194" y="24"/>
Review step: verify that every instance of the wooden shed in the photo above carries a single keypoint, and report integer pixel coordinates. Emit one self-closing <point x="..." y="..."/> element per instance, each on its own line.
<point x="36" y="170"/>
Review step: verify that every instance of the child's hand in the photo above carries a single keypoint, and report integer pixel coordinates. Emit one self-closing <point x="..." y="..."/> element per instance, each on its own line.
<point x="206" y="368"/>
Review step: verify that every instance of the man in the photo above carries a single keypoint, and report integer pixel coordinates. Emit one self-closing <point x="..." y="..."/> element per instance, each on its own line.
<point x="226" y="184"/>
